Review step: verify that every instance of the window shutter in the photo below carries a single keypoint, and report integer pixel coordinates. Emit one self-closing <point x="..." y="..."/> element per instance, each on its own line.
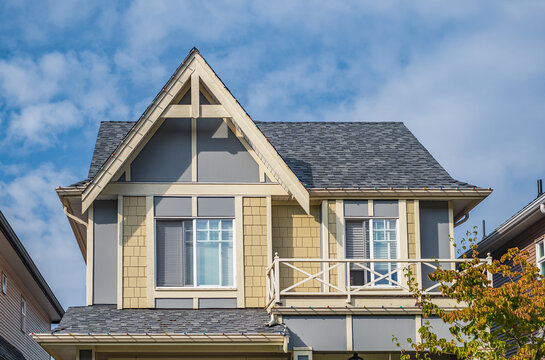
<point x="355" y="240"/>
<point x="169" y="253"/>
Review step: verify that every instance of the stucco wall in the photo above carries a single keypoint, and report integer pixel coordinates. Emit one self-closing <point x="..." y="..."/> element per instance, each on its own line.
<point x="297" y="235"/>
<point x="10" y="316"/>
<point x="255" y="250"/>
<point x="134" y="252"/>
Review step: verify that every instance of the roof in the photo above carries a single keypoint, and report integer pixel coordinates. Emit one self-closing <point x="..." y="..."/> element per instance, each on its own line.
<point x="8" y="351"/>
<point x="512" y="227"/>
<point x="103" y="319"/>
<point x="331" y="154"/>
<point x="42" y="292"/>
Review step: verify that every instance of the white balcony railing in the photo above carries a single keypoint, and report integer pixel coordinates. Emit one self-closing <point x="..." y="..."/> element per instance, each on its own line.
<point x="350" y="277"/>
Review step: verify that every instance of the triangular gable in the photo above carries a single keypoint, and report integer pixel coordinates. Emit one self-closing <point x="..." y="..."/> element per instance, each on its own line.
<point x="192" y="73"/>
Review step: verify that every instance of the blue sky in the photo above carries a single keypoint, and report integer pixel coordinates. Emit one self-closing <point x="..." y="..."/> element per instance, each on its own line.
<point x="466" y="77"/>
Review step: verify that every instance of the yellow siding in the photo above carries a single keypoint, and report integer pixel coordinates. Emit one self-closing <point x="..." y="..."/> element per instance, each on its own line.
<point x="255" y="250"/>
<point x="332" y="228"/>
<point x="134" y="252"/>
<point x="297" y="235"/>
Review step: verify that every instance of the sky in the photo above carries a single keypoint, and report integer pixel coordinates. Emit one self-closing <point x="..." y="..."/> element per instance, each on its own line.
<point x="466" y="77"/>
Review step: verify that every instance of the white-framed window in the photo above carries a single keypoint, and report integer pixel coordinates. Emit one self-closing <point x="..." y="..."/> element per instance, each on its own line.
<point x="540" y="256"/>
<point x="372" y="238"/>
<point x="195" y="253"/>
<point x="23" y="315"/>
<point x="4" y="284"/>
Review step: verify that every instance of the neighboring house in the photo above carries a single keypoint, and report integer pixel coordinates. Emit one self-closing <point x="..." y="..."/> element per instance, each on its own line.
<point x="207" y="234"/>
<point x="27" y="304"/>
<point x="524" y="230"/>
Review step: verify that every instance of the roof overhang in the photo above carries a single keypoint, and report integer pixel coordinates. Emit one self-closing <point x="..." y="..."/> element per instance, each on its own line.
<point x="71" y="201"/>
<point x="463" y="199"/>
<point x="20" y="262"/>
<point x="515" y="225"/>
<point x="64" y="346"/>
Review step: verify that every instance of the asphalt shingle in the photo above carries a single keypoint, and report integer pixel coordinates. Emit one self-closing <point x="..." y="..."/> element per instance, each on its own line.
<point x="102" y="319"/>
<point x="331" y="154"/>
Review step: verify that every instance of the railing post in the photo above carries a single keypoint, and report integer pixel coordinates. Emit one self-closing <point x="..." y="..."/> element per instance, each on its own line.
<point x="419" y="269"/>
<point x="276" y="278"/>
<point x="489" y="275"/>
<point x="347" y="282"/>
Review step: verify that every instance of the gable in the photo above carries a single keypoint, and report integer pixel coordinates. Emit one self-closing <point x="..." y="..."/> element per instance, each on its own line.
<point x="167" y="156"/>
<point x="195" y="74"/>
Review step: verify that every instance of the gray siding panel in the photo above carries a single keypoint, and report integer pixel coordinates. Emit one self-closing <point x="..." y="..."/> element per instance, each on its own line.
<point x="217" y="303"/>
<point x="221" y="157"/>
<point x="322" y="333"/>
<point x="174" y="303"/>
<point x="216" y="206"/>
<point x="434" y="233"/>
<point x="385" y="208"/>
<point x="172" y="206"/>
<point x="374" y="333"/>
<point x="105" y="252"/>
<point x="356" y="208"/>
<point x="167" y="155"/>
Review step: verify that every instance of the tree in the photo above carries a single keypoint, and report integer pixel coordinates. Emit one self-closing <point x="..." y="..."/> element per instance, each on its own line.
<point x="487" y="323"/>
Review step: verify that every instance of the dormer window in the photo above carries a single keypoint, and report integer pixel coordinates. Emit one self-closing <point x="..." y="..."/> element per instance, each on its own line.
<point x="195" y="253"/>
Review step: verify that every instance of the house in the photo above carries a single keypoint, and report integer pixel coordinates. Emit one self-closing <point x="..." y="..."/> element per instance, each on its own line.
<point x="208" y="234"/>
<point x="524" y="230"/>
<point x="27" y="304"/>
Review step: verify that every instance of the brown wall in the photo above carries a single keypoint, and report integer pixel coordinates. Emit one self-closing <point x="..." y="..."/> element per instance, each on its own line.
<point x="10" y="316"/>
<point x="525" y="241"/>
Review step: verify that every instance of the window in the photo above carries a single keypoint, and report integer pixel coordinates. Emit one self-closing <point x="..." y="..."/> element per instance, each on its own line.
<point x="372" y="239"/>
<point x="23" y="315"/>
<point x="540" y="256"/>
<point x="197" y="252"/>
<point x="4" y="283"/>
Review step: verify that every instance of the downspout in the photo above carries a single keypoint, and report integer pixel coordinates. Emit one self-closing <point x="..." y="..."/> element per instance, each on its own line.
<point x="74" y="217"/>
<point x="463" y="220"/>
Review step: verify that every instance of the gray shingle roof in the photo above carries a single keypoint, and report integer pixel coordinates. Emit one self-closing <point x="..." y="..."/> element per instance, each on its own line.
<point x="102" y="319"/>
<point x="332" y="154"/>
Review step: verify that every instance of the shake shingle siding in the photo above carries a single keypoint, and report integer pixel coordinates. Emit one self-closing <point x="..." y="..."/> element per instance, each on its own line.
<point x="331" y="154"/>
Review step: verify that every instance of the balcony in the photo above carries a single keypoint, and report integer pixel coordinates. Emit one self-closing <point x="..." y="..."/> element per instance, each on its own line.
<point x="351" y="285"/>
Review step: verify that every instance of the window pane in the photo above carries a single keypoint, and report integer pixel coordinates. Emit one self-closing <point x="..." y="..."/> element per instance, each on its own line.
<point x="542" y="268"/>
<point x="380" y="250"/>
<point x="208" y="263"/>
<point x="214" y="235"/>
<point x="214" y="224"/>
<point x="188" y="253"/>
<point x="378" y="224"/>
<point x="540" y="249"/>
<point x="202" y="224"/>
<point x="227" y="264"/>
<point x="227" y="224"/>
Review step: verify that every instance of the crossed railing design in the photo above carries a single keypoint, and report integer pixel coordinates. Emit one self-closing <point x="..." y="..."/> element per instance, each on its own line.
<point x="334" y="276"/>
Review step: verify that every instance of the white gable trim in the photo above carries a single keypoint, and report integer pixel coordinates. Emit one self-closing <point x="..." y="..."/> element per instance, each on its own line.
<point x="193" y="68"/>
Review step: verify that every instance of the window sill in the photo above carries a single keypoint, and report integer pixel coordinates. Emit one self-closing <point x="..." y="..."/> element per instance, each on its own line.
<point x="158" y="288"/>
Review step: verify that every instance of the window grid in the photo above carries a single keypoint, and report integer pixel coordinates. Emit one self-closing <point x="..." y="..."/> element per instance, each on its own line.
<point x="381" y="231"/>
<point x="540" y="256"/>
<point x="225" y="236"/>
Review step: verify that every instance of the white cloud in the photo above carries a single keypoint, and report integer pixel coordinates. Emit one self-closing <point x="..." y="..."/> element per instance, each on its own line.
<point x="32" y="207"/>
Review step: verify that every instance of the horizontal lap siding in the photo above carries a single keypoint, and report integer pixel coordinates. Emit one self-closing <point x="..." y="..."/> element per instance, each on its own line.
<point x="296" y="234"/>
<point x="10" y="317"/>
<point x="524" y="241"/>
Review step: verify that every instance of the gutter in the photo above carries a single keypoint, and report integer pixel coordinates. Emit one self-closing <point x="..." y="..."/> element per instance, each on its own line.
<point x="405" y="192"/>
<point x="236" y="339"/>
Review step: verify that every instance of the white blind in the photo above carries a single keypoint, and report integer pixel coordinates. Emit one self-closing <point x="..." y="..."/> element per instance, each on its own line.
<point x="169" y="253"/>
<point x="355" y="240"/>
